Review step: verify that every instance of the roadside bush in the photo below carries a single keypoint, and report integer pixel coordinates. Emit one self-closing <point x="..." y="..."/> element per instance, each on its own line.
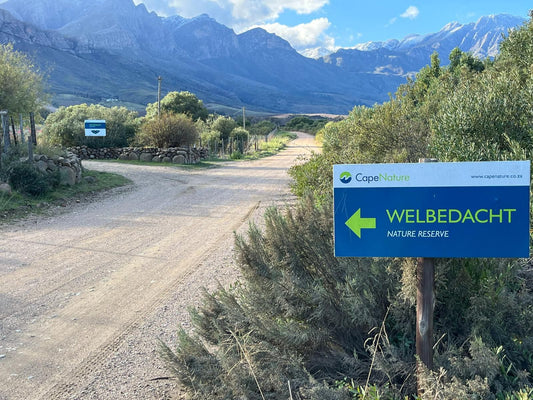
<point x="27" y="179"/>
<point x="329" y="319"/>
<point x="169" y="130"/>
<point x="65" y="127"/>
<point x="240" y="138"/>
<point x="211" y="139"/>
<point x="237" y="155"/>
<point x="487" y="118"/>
<point x="314" y="330"/>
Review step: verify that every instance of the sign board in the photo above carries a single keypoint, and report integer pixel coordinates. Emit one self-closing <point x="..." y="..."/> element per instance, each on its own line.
<point x="95" y="127"/>
<point x="463" y="209"/>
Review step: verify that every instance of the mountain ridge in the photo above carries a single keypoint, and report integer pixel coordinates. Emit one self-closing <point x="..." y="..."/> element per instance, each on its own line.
<point x="100" y="49"/>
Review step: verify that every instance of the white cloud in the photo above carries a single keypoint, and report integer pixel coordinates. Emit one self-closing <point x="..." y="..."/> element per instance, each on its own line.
<point x="310" y="39"/>
<point x="411" y="12"/>
<point x="237" y="14"/>
<point x="242" y="15"/>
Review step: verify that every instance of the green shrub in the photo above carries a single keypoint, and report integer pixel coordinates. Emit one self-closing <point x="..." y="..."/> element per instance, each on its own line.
<point x="224" y="125"/>
<point x="27" y="179"/>
<point x="240" y="138"/>
<point x="236" y="155"/>
<point x="303" y="123"/>
<point x="65" y="127"/>
<point x="169" y="130"/>
<point x="313" y="332"/>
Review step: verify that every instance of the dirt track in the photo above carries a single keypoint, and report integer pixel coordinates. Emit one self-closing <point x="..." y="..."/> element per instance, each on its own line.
<point x="84" y="295"/>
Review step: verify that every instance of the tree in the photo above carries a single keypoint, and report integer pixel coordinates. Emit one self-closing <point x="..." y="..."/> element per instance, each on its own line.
<point x="21" y="83"/>
<point x="180" y="103"/>
<point x="460" y="59"/>
<point x="170" y="130"/>
<point x="224" y="125"/>
<point x="65" y="127"/>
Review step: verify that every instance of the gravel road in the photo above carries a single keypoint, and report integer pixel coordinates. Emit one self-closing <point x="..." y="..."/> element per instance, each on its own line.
<point x="86" y="294"/>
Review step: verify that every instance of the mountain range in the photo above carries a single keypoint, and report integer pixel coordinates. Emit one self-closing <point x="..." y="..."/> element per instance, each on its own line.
<point x="114" y="51"/>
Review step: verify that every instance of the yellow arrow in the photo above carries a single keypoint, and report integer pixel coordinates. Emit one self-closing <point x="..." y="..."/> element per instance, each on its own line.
<point x="356" y="223"/>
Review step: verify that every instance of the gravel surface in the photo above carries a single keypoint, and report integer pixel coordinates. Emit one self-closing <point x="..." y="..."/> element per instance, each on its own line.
<point x="86" y="294"/>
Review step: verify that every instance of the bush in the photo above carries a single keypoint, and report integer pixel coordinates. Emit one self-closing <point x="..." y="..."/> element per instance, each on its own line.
<point x="303" y="123"/>
<point x="236" y="155"/>
<point x="65" y="127"/>
<point x="169" y="130"/>
<point x="487" y="118"/>
<point x="240" y="136"/>
<point x="320" y="310"/>
<point x="27" y="179"/>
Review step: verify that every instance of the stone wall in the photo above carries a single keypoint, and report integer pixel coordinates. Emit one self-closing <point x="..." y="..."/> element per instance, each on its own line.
<point x="177" y="155"/>
<point x="69" y="167"/>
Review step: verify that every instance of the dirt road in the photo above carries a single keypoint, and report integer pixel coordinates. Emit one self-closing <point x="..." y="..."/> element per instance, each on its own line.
<point x="85" y="295"/>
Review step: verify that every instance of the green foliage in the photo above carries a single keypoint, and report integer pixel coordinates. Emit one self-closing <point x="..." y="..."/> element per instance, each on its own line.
<point x="516" y="51"/>
<point x="320" y="330"/>
<point x="27" y="179"/>
<point x="303" y="123"/>
<point x="224" y="126"/>
<point x="179" y="103"/>
<point x="261" y="128"/>
<point x="21" y="83"/>
<point x="210" y="139"/>
<point x="240" y="136"/>
<point x="386" y="133"/>
<point x="338" y="328"/>
<point x="487" y="118"/>
<point x="321" y="309"/>
<point x="312" y="176"/>
<point x="65" y="127"/>
<point x="169" y="130"/>
<point x="237" y="155"/>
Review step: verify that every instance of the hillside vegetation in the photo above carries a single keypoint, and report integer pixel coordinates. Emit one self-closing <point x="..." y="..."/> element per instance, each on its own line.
<point x="302" y="324"/>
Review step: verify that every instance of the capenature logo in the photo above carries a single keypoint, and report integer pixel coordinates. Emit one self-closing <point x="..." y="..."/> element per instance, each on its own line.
<point x="346" y="177"/>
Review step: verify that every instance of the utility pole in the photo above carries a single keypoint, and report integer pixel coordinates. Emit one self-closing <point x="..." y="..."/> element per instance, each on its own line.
<point x="158" y="96"/>
<point x="243" y="119"/>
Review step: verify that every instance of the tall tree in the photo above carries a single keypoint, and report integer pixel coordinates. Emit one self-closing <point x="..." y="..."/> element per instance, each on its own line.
<point x="180" y="103"/>
<point x="21" y="83"/>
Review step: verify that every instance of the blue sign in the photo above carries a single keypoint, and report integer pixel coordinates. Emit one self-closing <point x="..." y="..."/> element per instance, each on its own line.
<point x="476" y="209"/>
<point x="95" y="127"/>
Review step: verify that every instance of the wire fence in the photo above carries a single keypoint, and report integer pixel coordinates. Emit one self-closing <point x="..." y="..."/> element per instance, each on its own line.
<point x="220" y="148"/>
<point x="13" y="137"/>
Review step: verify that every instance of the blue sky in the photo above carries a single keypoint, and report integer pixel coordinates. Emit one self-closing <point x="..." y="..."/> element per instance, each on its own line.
<point x="313" y="26"/>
